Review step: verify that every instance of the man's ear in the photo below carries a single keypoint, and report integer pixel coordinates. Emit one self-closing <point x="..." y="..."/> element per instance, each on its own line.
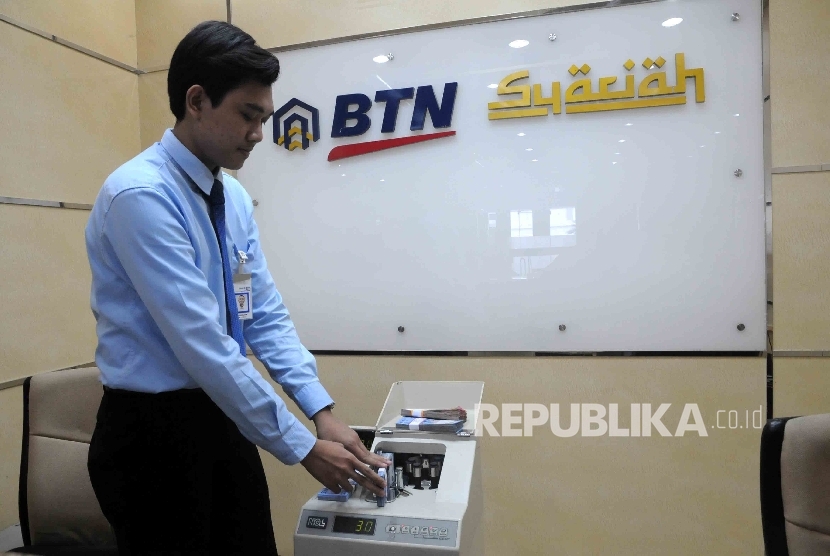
<point x="195" y="101"/>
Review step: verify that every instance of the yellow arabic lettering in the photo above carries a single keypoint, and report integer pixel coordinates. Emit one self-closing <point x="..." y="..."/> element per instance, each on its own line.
<point x="683" y="74"/>
<point x="625" y="105"/>
<point x="506" y="89"/>
<point x="580" y="97"/>
<point x="585" y="96"/>
<point x="555" y="100"/>
<point x="605" y="94"/>
<point x="526" y="113"/>
<point x="646" y="90"/>
<point x="654" y="85"/>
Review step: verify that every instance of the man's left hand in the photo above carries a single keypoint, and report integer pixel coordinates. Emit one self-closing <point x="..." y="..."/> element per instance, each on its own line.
<point x="333" y="429"/>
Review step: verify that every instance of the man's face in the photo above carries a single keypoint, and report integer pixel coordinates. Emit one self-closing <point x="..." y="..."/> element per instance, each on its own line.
<point x="228" y="132"/>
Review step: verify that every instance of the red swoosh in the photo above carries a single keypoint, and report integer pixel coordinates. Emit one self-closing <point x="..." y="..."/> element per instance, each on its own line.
<point x="345" y="151"/>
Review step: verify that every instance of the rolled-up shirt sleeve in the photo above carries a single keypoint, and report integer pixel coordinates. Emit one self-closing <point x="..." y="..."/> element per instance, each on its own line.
<point x="145" y="233"/>
<point x="273" y="338"/>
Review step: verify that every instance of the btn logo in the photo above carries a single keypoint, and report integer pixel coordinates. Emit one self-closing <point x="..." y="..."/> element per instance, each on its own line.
<point x="291" y="125"/>
<point x="425" y="101"/>
<point x="355" y="107"/>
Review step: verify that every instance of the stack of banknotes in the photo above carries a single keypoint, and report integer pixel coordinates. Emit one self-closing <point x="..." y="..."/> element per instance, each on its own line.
<point x="456" y="413"/>
<point x="433" y="420"/>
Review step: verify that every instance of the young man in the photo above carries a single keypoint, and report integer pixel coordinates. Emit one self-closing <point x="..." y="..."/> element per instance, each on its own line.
<point x="173" y="459"/>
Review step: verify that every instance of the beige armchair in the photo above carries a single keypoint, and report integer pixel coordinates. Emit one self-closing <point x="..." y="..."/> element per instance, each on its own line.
<point x="59" y="513"/>
<point x="795" y="486"/>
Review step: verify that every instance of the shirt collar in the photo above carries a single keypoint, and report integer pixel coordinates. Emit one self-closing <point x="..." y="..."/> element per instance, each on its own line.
<point x="187" y="161"/>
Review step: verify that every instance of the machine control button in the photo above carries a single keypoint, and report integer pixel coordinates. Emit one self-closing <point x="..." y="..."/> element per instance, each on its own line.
<point x="316" y="522"/>
<point x="404" y="528"/>
<point x="443" y="533"/>
<point x="416" y="530"/>
<point x="391" y="528"/>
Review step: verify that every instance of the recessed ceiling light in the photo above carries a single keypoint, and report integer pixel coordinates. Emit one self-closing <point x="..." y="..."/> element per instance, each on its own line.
<point x="616" y="153"/>
<point x="528" y="150"/>
<point x="622" y="140"/>
<point x="382" y="180"/>
<point x="344" y="175"/>
<point x="672" y="22"/>
<point x="382" y="59"/>
<point x="521" y="43"/>
<point x="493" y="86"/>
<point x="736" y="115"/>
<point x="534" y="160"/>
<point x="717" y="133"/>
<point x="521" y="134"/>
<point x="628" y="125"/>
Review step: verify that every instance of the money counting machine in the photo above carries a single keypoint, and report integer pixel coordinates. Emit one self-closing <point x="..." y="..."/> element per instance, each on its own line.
<point x="434" y="501"/>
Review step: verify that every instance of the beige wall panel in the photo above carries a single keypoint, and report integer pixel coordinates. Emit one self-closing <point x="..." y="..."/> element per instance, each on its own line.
<point x="282" y="22"/>
<point x="657" y="495"/>
<point x="103" y="26"/>
<point x="801" y="271"/>
<point x="68" y="120"/>
<point x="161" y="24"/>
<point x="800" y="81"/>
<point x="800" y="386"/>
<point x="46" y="323"/>
<point x="154" y="106"/>
<point x="11" y="437"/>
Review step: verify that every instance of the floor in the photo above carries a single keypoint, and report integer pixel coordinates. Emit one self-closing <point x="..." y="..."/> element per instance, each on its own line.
<point x="11" y="538"/>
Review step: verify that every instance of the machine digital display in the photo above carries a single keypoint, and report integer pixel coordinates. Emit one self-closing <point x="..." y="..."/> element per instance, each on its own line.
<point x="354" y="525"/>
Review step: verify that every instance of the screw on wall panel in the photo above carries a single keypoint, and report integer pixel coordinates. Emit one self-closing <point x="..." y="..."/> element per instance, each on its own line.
<point x="551" y="37"/>
<point x="739" y="173"/>
<point x="256" y="203"/>
<point x="401" y="329"/>
<point x="562" y="327"/>
<point x="390" y="56"/>
<point x="741" y="327"/>
<point x="736" y="16"/>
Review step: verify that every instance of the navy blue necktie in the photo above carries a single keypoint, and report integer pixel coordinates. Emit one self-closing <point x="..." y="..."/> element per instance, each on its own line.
<point x="216" y="206"/>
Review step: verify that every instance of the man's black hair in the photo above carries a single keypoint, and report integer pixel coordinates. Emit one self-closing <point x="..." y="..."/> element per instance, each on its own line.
<point x="220" y="57"/>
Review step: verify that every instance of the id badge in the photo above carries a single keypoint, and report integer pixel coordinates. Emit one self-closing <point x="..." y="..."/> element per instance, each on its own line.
<point x="242" y="291"/>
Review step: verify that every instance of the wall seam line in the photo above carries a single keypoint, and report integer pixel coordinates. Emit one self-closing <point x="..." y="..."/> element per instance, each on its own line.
<point x="803" y="169"/>
<point x="44" y="203"/>
<point x="69" y="44"/>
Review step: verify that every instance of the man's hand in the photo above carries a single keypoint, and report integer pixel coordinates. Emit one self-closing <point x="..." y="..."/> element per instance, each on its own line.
<point x="339" y="455"/>
<point x="333" y="465"/>
<point x="333" y="429"/>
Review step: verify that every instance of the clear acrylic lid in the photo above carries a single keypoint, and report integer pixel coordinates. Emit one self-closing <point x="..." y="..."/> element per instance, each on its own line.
<point x="431" y="395"/>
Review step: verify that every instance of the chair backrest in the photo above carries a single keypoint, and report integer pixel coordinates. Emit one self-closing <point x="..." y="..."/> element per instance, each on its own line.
<point x="57" y="503"/>
<point x="795" y="486"/>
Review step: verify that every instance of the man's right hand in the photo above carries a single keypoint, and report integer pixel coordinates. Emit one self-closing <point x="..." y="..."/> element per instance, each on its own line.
<point x="333" y="465"/>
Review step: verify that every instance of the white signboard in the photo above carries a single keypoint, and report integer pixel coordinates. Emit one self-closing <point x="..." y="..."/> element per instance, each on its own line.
<point x="487" y="188"/>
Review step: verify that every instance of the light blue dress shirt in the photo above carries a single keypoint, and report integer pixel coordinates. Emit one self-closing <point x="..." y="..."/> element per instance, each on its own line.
<point x="159" y="302"/>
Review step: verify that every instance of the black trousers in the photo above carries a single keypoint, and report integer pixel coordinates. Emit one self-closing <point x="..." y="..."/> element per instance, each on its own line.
<point x="174" y="475"/>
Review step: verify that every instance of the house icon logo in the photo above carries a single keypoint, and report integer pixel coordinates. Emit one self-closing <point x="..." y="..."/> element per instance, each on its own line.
<point x="291" y="125"/>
